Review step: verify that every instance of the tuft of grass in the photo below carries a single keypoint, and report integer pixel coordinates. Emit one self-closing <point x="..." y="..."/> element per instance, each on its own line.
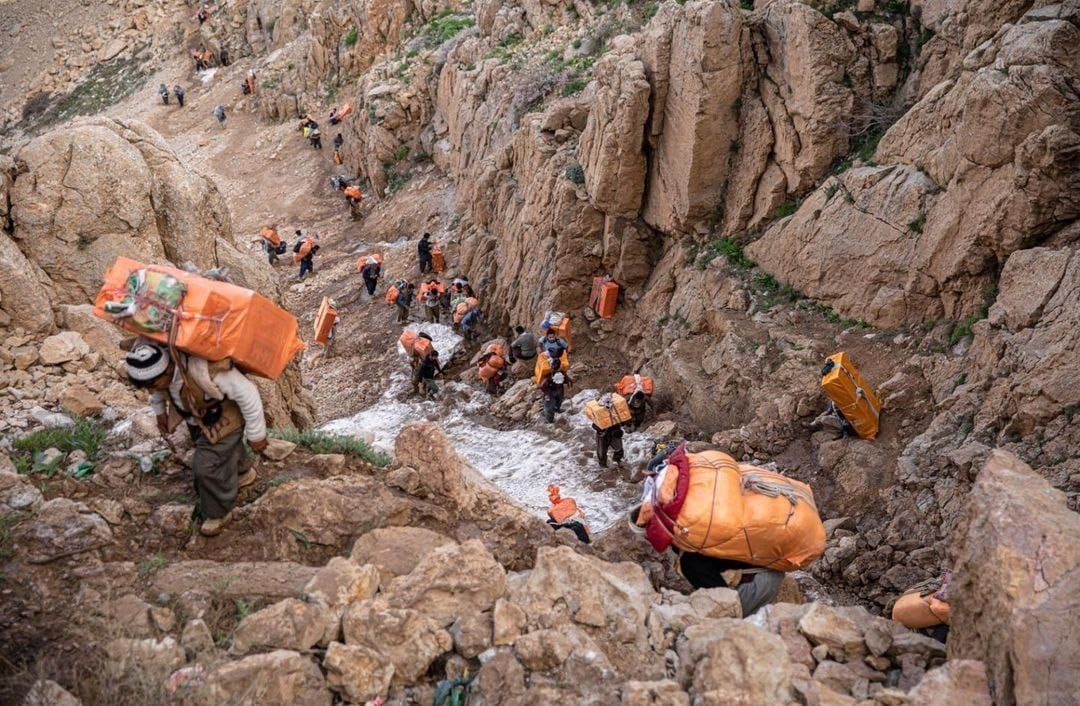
<point x="916" y="225"/>
<point x="774" y="292"/>
<point x="351" y="36"/>
<point x="322" y="442"/>
<point x="151" y="565"/>
<point x="444" y="27"/>
<point x="649" y="11"/>
<point x="575" y="84"/>
<point x="575" y="173"/>
<point x="787" y="208"/>
<point x="268" y="84"/>
<point x="962" y="329"/>
<point x="87" y="435"/>
<point x="84" y="242"/>
<point x="243" y="608"/>
<point x="731" y="250"/>
<point x="831" y="190"/>
<point x="401" y="152"/>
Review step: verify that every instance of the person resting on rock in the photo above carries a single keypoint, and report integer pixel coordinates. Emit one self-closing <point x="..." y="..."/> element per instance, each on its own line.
<point x="220" y="406"/>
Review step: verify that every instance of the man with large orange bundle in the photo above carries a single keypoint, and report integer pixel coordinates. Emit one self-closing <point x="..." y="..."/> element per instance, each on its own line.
<point x="220" y="406"/>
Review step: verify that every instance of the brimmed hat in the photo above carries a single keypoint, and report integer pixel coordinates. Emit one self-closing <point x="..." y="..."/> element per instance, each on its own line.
<point x="146" y="362"/>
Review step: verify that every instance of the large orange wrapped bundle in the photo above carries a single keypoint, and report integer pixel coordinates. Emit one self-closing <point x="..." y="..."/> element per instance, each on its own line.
<point x="270" y="235"/>
<point x="727" y="510"/>
<point x="415" y="345"/>
<point x="856" y="399"/>
<point x="607" y="411"/>
<point x="563" y="509"/>
<point x="391" y="294"/>
<point x="491" y="366"/>
<point x="325" y="320"/>
<point x="629" y="384"/>
<point x="438" y="262"/>
<point x="214" y="320"/>
<point x="464" y="307"/>
<point x="370" y="259"/>
<point x="915" y="611"/>
<point x="543" y="366"/>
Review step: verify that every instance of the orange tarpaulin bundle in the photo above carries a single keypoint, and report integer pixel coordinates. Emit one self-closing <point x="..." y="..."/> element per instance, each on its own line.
<point x="325" y="320"/>
<point x="305" y="249"/>
<point x="270" y="235"/>
<point x="428" y="286"/>
<point x="464" y="307"/>
<point x="915" y="611"/>
<point x="491" y="366"/>
<point x="856" y="400"/>
<point x="353" y="192"/>
<point x="604" y="295"/>
<point x="391" y="294"/>
<point x="372" y="259"/>
<point x="543" y="366"/>
<point x="563" y="509"/>
<point x="438" y="262"/>
<point x="727" y="510"/>
<point x="215" y="320"/>
<point x="607" y="411"/>
<point x="629" y="384"/>
<point x="343" y="112"/>
<point x="415" y="345"/>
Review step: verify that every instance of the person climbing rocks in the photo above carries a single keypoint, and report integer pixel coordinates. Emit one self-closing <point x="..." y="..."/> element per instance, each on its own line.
<point x="202" y="15"/>
<point x="221" y="407"/>
<point x="271" y="243"/>
<point x="353" y="198"/>
<point x="831" y="421"/>
<point x="315" y="138"/>
<point x="403" y="301"/>
<point x="304" y="253"/>
<point x="178" y="91"/>
<point x="470" y="324"/>
<point x="755" y="585"/>
<point x="223" y="56"/>
<point x="163" y="91"/>
<point x="219" y="113"/>
<point x="524" y="346"/>
<point x="553" y="388"/>
<point x="429" y="368"/>
<point x="338" y="142"/>
<point x="609" y="439"/>
<point x="370" y="273"/>
<point x="431" y="299"/>
<point x="552" y="342"/>
<point x="196" y="56"/>
<point x="564" y="513"/>
<point x="423" y="252"/>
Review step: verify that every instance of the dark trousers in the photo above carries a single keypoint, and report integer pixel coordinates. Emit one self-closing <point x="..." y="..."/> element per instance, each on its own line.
<point x="431" y="313"/>
<point x="426" y="264"/>
<point x="180" y="99"/>
<point x="307" y="265"/>
<point x="610" y="438"/>
<point x="552" y="404"/>
<point x="402" y="313"/>
<point x="370" y="284"/>
<point x="217" y="468"/>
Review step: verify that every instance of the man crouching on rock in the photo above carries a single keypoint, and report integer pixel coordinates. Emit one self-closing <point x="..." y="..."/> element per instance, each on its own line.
<point x="219" y="404"/>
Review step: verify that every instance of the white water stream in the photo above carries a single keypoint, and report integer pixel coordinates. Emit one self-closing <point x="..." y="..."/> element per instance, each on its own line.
<point x="522" y="461"/>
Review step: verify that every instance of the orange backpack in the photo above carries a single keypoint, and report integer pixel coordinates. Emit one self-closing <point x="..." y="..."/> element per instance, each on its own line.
<point x="629" y="384"/>
<point x="305" y="249"/>
<point x="391" y="295"/>
<point x="563" y="510"/>
<point x="605" y="413"/>
<point x="271" y="235"/>
<point x="353" y="192"/>
<point x="372" y="259"/>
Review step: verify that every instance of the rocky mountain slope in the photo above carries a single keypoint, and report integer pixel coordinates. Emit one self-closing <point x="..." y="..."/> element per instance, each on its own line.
<point x="768" y="183"/>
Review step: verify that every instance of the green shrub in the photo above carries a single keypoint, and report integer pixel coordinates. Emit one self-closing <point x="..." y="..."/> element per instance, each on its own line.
<point x="322" y="442"/>
<point x="649" y="11"/>
<point x="401" y="152"/>
<point x="831" y="190"/>
<point x="916" y="225"/>
<point x="575" y="84"/>
<point x="732" y="251"/>
<point x="445" y="26"/>
<point x="575" y="173"/>
<point x="87" y="435"/>
<point x="351" y="36"/>
<point x="787" y="208"/>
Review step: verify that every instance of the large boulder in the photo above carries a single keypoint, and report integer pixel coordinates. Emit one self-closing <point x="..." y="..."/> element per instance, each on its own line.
<point x="1016" y="563"/>
<point x="406" y="639"/>
<point x="279" y="678"/>
<point x="62" y="528"/>
<point x="396" y="551"/>
<point x="290" y="624"/>
<point x="337" y="585"/>
<point x="102" y="187"/>
<point x="734" y="662"/>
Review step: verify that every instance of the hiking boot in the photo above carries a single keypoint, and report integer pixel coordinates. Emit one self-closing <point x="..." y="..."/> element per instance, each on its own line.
<point x="212" y="528"/>
<point x="247" y="479"/>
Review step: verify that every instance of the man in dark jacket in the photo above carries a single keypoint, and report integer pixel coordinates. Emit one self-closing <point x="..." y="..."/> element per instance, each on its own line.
<point x="429" y="367"/>
<point x="370" y="272"/>
<point x="178" y="91"/>
<point x="609" y="439"/>
<point x="554" y="389"/>
<point x="423" y="252"/>
<point x="307" y="262"/>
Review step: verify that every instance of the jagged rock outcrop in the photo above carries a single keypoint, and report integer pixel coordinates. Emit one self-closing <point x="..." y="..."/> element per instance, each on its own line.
<point x="1016" y="581"/>
<point x="981" y="167"/>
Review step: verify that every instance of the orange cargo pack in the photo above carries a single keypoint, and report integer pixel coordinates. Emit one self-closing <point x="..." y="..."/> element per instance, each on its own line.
<point x="391" y="294"/>
<point x="727" y="510"/>
<point x="560" y="322"/>
<point x="271" y="235"/>
<point x="543" y="366"/>
<point x="491" y="366"/>
<point x="605" y="293"/>
<point x="344" y="112"/>
<point x="607" y="411"/>
<point x="216" y="320"/>
<point x="372" y="258"/>
<point x="438" y="262"/>
<point x="325" y="320"/>
<point x="563" y="509"/>
<point x="915" y="611"/>
<point x="415" y="345"/>
<point x="856" y="400"/>
<point x="629" y="384"/>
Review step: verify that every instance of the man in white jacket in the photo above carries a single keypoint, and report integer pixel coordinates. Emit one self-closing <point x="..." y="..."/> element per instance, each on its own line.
<point x="220" y="406"/>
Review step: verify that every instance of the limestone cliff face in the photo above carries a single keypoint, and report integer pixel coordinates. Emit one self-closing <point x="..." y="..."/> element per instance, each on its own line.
<point x="78" y="198"/>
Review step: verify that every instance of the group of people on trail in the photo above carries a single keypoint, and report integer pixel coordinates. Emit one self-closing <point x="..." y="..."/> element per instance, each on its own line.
<point x="177" y="90"/>
<point x="204" y="58"/>
<point x="310" y="130"/>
